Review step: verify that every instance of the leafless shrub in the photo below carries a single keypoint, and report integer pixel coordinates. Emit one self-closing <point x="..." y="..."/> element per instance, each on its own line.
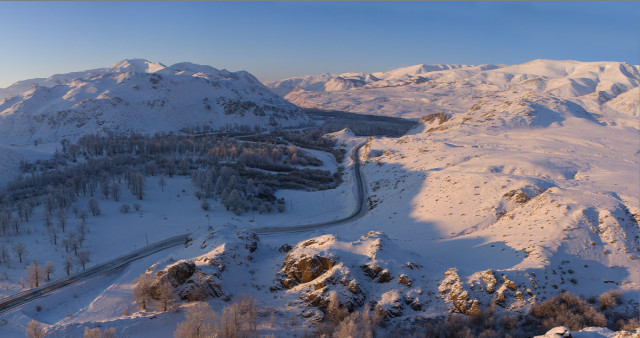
<point x="630" y="324"/>
<point x="125" y="208"/>
<point x="34" y="330"/>
<point x="609" y="299"/>
<point x="566" y="310"/>
<point x="97" y="333"/>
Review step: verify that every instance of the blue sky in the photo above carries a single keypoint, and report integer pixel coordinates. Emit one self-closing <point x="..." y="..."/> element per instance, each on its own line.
<point x="274" y="40"/>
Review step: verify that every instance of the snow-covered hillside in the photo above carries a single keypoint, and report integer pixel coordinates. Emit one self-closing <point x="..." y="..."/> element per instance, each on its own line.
<point x="415" y="91"/>
<point x="139" y="96"/>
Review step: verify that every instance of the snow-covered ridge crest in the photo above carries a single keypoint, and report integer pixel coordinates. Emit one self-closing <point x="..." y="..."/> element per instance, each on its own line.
<point x="139" y="96"/>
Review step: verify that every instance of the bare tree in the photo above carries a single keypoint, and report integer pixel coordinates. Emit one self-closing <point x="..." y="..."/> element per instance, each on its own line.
<point x="82" y="231"/>
<point x="35" y="330"/>
<point x="82" y="214"/>
<point x="28" y="210"/>
<point x="335" y="310"/>
<point x="5" y="221"/>
<point x="68" y="265"/>
<point x="162" y="183"/>
<point x="234" y="202"/>
<point x="53" y="233"/>
<point x="16" y="225"/>
<point x="35" y="274"/>
<point x="142" y="291"/>
<point x="20" y="249"/>
<point x="166" y="294"/>
<point x="94" y="207"/>
<point x="83" y="258"/>
<point x="115" y="191"/>
<point x="219" y="187"/>
<point x="223" y="197"/>
<point x="47" y="219"/>
<point x="49" y="269"/>
<point x="62" y="220"/>
<point x="137" y="206"/>
<point x="105" y="187"/>
<point x="200" y="321"/>
<point x="72" y="243"/>
<point x="4" y="252"/>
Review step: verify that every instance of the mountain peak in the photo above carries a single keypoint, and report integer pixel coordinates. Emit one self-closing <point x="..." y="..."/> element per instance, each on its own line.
<point x="136" y="66"/>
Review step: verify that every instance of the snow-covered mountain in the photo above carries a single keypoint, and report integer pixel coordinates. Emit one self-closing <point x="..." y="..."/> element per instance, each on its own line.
<point x="419" y="90"/>
<point x="140" y="96"/>
<point x="521" y="186"/>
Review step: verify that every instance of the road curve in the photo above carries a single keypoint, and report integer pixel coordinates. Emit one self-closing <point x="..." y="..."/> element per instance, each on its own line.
<point x="21" y="298"/>
<point x="359" y="211"/>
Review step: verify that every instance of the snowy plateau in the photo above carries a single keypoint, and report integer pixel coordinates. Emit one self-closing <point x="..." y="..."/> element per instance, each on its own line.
<point x="509" y="208"/>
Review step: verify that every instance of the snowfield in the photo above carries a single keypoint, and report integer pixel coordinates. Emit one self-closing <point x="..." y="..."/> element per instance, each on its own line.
<point x="519" y="182"/>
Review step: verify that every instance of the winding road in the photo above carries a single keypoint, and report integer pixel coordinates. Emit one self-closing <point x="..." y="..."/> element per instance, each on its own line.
<point x="21" y="298"/>
<point x="360" y="210"/>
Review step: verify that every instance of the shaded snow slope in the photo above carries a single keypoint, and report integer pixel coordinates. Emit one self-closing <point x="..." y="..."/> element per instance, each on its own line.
<point x="140" y="96"/>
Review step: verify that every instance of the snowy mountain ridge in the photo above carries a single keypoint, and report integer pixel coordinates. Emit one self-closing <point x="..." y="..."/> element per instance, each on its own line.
<point x="419" y="90"/>
<point x="139" y="96"/>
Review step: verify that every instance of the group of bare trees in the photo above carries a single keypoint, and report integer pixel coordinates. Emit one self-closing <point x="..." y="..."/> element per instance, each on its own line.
<point x="235" y="320"/>
<point x="37" y="273"/>
<point x="37" y="330"/>
<point x="96" y="166"/>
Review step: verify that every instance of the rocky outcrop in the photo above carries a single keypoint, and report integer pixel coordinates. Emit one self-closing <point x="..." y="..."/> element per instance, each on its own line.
<point x="376" y="273"/>
<point x="350" y="293"/>
<point x="201" y="277"/>
<point x="482" y="290"/>
<point x="187" y="280"/>
<point x="356" y="272"/>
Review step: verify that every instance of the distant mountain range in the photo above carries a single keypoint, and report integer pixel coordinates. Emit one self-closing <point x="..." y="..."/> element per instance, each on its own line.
<point x="422" y="89"/>
<point x="139" y="96"/>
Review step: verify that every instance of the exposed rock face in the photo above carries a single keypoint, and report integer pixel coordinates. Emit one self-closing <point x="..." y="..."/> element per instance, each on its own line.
<point x="482" y="290"/>
<point x="376" y="273"/>
<point x="451" y="290"/>
<point x="250" y="240"/>
<point x="177" y="274"/>
<point x="391" y="304"/>
<point x="298" y="270"/>
<point x="356" y="272"/>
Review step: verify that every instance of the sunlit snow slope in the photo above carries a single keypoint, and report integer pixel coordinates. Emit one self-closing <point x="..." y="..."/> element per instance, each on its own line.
<point x="418" y="90"/>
